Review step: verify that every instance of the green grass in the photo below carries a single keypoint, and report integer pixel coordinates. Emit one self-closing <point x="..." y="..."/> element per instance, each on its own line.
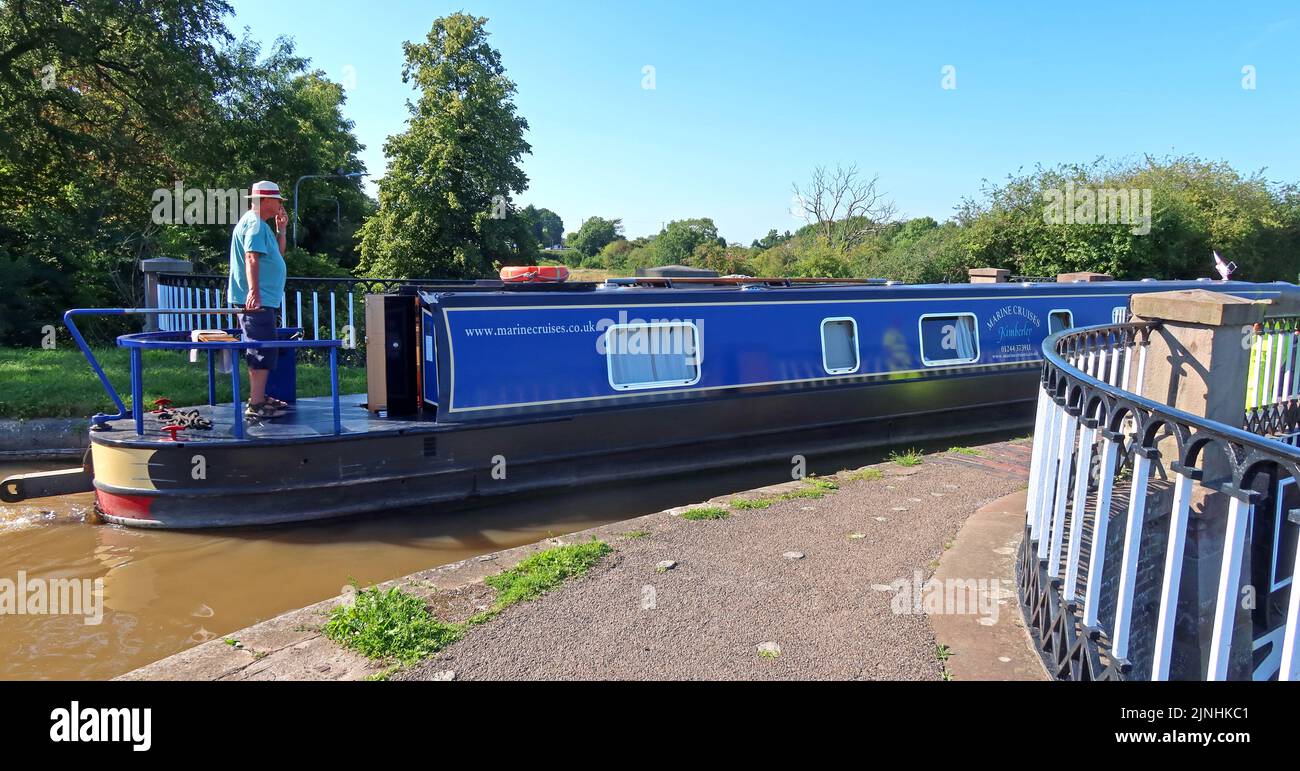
<point x="751" y="503"/>
<point x="821" y="484"/>
<point x="394" y="625"/>
<point x="541" y="572"/>
<point x="964" y="451"/>
<point x="706" y="512"/>
<point x="36" y="383"/>
<point x="910" y="457"/>
<point x="942" y="652"/>
<point x="388" y="625"/>
<point x="807" y="492"/>
<point x="382" y="675"/>
<point x="865" y="475"/>
<point x="636" y="534"/>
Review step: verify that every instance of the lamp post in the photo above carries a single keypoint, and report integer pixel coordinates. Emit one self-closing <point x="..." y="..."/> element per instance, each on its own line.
<point x="335" y="175"/>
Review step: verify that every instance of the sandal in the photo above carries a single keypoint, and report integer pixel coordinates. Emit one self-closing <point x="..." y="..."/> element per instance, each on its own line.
<point x="277" y="404"/>
<point x="262" y="411"/>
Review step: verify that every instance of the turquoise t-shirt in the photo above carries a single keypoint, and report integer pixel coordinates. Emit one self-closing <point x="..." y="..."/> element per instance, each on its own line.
<point x="253" y="235"/>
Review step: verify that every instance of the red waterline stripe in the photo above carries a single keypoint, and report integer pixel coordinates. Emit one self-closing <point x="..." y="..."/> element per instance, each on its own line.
<point x="128" y="506"/>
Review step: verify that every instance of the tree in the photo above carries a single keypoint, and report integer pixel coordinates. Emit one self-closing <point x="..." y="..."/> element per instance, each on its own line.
<point x="101" y="103"/>
<point x="594" y="234"/>
<point x="280" y="120"/>
<point x="772" y="239"/>
<point x="726" y="260"/>
<point x="1189" y="207"/>
<point x="677" y="241"/>
<point x="545" y="225"/>
<point x="445" y="201"/>
<point x="104" y="104"/>
<point x="844" y="207"/>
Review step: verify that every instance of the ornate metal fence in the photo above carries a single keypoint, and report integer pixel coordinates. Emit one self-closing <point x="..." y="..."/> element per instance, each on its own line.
<point x="1273" y="380"/>
<point x="1159" y="544"/>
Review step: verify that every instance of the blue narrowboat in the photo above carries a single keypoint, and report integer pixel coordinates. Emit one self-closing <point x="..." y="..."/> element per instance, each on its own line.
<point x="485" y="388"/>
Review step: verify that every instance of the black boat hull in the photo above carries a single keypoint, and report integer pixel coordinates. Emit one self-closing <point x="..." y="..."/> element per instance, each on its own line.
<point x="197" y="484"/>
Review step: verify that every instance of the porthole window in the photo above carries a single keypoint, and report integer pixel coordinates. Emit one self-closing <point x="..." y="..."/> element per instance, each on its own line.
<point x="949" y="339"/>
<point x="652" y="355"/>
<point x="840" y="346"/>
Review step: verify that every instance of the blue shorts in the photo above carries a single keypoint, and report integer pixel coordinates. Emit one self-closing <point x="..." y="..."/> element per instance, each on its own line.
<point x="259" y="325"/>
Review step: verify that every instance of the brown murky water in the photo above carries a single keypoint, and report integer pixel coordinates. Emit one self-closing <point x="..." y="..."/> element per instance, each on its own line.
<point x="164" y="591"/>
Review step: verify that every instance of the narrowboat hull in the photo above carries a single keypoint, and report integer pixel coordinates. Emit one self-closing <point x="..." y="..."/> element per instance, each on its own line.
<point x="281" y="477"/>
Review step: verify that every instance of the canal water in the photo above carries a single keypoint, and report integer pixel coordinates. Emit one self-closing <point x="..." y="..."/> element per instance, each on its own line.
<point x="164" y="591"/>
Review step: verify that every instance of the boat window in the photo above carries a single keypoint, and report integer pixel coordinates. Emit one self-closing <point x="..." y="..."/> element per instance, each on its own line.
<point x="652" y="355"/>
<point x="1058" y="320"/>
<point x="949" y="339"/>
<point x="840" y="345"/>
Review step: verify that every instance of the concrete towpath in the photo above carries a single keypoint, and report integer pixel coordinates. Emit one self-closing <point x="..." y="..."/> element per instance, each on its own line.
<point x="806" y="588"/>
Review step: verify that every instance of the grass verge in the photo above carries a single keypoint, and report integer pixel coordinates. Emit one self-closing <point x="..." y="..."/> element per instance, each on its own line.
<point x="388" y="625"/>
<point x="541" y="572"/>
<point x="393" y="625"/>
<point x="706" y="512"/>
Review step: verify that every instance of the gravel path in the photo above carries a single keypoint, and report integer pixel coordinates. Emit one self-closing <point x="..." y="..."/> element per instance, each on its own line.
<point x="740" y="582"/>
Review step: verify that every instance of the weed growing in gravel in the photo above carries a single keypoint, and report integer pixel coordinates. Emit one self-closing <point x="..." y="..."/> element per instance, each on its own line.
<point x="636" y="534"/>
<point x="751" y="503"/>
<point x="389" y="625"/>
<point x="943" y="653"/>
<point x="706" y="512"/>
<point x="769" y="654"/>
<point x="543" y="571"/>
<point x="382" y="675"/>
<point x="396" y="625"/>
<point x="863" y="475"/>
<point x="821" y="484"/>
<point x="911" y="457"/>
<point x="965" y="451"/>
<point x="807" y="492"/>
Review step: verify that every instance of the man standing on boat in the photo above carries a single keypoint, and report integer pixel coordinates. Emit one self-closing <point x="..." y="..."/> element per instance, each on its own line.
<point x="257" y="273"/>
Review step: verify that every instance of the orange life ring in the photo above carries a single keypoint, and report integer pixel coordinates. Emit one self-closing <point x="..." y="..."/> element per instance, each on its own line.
<point x="534" y="273"/>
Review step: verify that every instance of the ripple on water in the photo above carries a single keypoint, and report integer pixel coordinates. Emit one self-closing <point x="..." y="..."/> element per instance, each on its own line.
<point x="27" y="517"/>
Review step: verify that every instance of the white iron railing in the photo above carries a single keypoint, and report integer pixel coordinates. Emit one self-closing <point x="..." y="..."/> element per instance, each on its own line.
<point x="1106" y="457"/>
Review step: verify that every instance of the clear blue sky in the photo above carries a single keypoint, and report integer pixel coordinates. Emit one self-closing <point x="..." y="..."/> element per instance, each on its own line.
<point x="750" y="96"/>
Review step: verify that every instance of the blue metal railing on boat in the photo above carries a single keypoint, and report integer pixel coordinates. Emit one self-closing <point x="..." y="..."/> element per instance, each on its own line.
<point x="138" y="342"/>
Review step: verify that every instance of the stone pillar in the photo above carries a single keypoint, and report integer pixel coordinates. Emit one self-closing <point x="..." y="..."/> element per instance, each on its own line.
<point x="151" y="268"/>
<point x="1197" y="362"/>
<point x="989" y="275"/>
